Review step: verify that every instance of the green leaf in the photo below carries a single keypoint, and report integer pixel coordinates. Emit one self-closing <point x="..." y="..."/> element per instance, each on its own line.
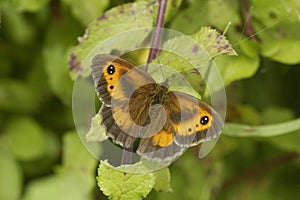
<point x="30" y="5"/>
<point x="270" y="14"/>
<point x="25" y="134"/>
<point x="112" y="22"/>
<point x="236" y="68"/>
<point x="162" y="183"/>
<point x="240" y="130"/>
<point x="11" y="178"/>
<point x="66" y="186"/>
<point x="201" y="13"/>
<point x="17" y="96"/>
<point x="77" y="158"/>
<point x="97" y="132"/>
<point x="55" y="55"/>
<point x="171" y="9"/>
<point x="86" y="11"/>
<point x="198" y="49"/>
<point x="17" y="27"/>
<point x="74" y="180"/>
<point x="122" y="185"/>
<point x="282" y="50"/>
<point x="213" y="42"/>
<point x="281" y="42"/>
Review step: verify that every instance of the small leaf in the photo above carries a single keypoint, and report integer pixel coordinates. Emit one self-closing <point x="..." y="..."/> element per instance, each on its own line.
<point x="97" y="132"/>
<point x="124" y="186"/>
<point x="162" y="183"/>
<point x="198" y="49"/>
<point x="213" y="42"/>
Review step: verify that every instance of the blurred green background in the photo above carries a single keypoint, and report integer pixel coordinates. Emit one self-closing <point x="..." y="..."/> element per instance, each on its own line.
<point x="41" y="156"/>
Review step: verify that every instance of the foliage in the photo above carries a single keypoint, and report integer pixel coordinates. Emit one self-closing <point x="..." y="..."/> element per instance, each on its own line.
<point x="256" y="157"/>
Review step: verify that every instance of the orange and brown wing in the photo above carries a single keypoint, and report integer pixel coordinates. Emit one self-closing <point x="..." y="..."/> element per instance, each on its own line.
<point x="116" y="80"/>
<point x="194" y="121"/>
<point x="108" y="70"/>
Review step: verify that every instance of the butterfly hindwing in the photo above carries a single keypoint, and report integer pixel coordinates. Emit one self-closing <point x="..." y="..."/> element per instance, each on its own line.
<point x="196" y="122"/>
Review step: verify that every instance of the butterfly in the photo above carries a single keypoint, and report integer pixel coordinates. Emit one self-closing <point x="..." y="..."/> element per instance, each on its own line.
<point x="139" y="113"/>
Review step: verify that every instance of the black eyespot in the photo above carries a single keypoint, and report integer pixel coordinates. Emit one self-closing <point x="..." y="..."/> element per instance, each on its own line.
<point x="204" y="120"/>
<point x="110" y="78"/>
<point x="111" y="69"/>
<point x="197" y="125"/>
<point x="189" y="129"/>
<point x="111" y="87"/>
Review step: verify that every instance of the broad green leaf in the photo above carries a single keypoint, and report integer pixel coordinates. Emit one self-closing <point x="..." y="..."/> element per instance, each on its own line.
<point x="30" y="5"/>
<point x="10" y="178"/>
<point x="279" y="25"/>
<point x="25" y="134"/>
<point x="162" y="183"/>
<point x="270" y="13"/>
<point x="122" y="185"/>
<point x="240" y="130"/>
<point x="200" y="13"/>
<point x="282" y="50"/>
<point x="282" y="43"/>
<point x="86" y="11"/>
<point x="114" y="21"/>
<point x="236" y="68"/>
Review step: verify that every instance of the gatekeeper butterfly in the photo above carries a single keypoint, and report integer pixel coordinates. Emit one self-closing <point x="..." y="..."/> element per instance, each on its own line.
<point x="139" y="113"/>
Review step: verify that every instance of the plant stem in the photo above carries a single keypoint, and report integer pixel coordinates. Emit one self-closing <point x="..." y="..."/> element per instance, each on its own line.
<point x="249" y="31"/>
<point x="156" y="38"/>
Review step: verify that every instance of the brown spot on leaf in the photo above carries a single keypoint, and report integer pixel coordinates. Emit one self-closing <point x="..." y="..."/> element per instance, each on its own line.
<point x="74" y="64"/>
<point x="102" y="17"/>
<point x="195" y="48"/>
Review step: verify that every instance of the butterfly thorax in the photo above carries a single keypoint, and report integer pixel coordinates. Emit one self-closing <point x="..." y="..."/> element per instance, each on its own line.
<point x="160" y="95"/>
